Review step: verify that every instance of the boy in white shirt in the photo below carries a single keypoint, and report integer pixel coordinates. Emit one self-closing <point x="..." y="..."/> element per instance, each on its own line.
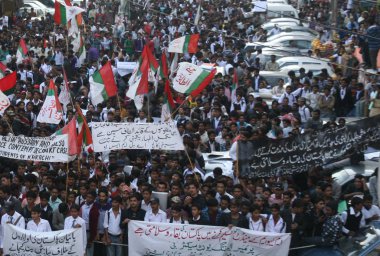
<point x="275" y="223"/>
<point x="74" y="221"/>
<point x="37" y="224"/>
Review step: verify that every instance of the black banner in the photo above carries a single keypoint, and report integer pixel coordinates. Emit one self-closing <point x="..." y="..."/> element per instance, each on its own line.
<point x="288" y="156"/>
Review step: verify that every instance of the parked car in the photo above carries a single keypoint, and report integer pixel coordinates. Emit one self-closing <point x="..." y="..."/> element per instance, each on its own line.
<point x="316" y="69"/>
<point x="36" y="5"/>
<point x="289" y="42"/>
<point x="300" y="61"/>
<point x="269" y="25"/>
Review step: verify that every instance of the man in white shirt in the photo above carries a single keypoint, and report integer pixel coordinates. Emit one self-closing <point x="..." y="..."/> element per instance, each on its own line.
<point x="74" y="221"/>
<point x="371" y="212"/>
<point x="11" y="217"/>
<point x="112" y="230"/>
<point x="37" y="224"/>
<point x="155" y="214"/>
<point x="221" y="188"/>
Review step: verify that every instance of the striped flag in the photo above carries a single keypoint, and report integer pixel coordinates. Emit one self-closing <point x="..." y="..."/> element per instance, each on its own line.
<point x="184" y="44"/>
<point x="84" y="133"/>
<point x="102" y="85"/>
<point x="22" y="51"/>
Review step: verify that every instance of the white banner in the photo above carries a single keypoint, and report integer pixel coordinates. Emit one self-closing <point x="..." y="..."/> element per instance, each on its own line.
<point x="113" y="136"/>
<point x="125" y="68"/>
<point x="21" y="242"/>
<point x="178" y="239"/>
<point x="47" y="149"/>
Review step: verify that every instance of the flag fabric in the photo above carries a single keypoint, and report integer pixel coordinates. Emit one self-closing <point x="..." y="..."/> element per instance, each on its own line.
<point x="102" y="85"/>
<point x="82" y="52"/>
<point x="4" y="102"/>
<point x="84" y="133"/>
<point x="198" y="16"/>
<point x="191" y="79"/>
<point x="71" y="130"/>
<point x="51" y="111"/>
<point x="77" y="42"/>
<point x="64" y="97"/>
<point x="74" y="23"/>
<point x="138" y="83"/>
<point x="174" y="65"/>
<point x="184" y="44"/>
<point x="235" y="84"/>
<point x="22" y="50"/>
<point x="65" y="13"/>
<point x="8" y="83"/>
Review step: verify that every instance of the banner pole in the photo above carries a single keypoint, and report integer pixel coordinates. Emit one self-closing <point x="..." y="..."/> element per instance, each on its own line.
<point x="192" y="166"/>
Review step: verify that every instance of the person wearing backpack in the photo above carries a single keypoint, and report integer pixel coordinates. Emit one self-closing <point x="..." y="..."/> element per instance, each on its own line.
<point x="303" y="110"/>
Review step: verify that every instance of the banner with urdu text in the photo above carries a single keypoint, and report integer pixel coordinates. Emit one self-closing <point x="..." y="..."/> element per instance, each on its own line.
<point x="296" y="154"/>
<point x="21" y="242"/>
<point x="146" y="238"/>
<point x="113" y="136"/>
<point x="47" y="149"/>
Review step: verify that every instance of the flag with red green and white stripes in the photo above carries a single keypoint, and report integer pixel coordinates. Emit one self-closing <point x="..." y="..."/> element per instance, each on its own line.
<point x="191" y="79"/>
<point x="65" y="13"/>
<point x="184" y="44"/>
<point x="22" y="51"/>
<point x="71" y="130"/>
<point x="102" y="84"/>
<point x="51" y="111"/>
<point x="84" y="133"/>
<point x="138" y="83"/>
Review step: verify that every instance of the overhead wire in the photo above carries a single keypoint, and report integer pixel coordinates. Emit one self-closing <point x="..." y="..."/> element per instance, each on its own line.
<point x="258" y="43"/>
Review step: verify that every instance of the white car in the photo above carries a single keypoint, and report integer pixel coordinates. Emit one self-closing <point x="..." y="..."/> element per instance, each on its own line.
<point x="218" y="159"/>
<point x="301" y="43"/>
<point x="285" y="20"/>
<point x="36" y="5"/>
<point x="301" y="61"/>
<point x="293" y="33"/>
<point x="316" y="69"/>
<point x="269" y="25"/>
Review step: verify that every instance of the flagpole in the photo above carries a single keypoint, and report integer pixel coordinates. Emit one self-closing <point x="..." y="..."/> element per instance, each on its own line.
<point x="118" y="101"/>
<point x="67" y="179"/>
<point x="175" y="111"/>
<point x="67" y="38"/>
<point x="10" y="127"/>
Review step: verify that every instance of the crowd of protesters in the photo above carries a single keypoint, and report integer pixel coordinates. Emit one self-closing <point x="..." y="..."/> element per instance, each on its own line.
<point x="100" y="193"/>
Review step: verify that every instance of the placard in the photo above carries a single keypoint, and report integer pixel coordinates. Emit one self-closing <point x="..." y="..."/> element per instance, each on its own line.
<point x="21" y="242"/>
<point x="266" y="158"/>
<point x="113" y="136"/>
<point x="146" y="238"/>
<point x="47" y="149"/>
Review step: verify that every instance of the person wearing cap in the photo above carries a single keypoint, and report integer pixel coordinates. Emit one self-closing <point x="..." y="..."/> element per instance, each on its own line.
<point x="75" y="221"/>
<point x="37" y="224"/>
<point x="155" y="214"/>
<point x="112" y="230"/>
<point x="276" y="197"/>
